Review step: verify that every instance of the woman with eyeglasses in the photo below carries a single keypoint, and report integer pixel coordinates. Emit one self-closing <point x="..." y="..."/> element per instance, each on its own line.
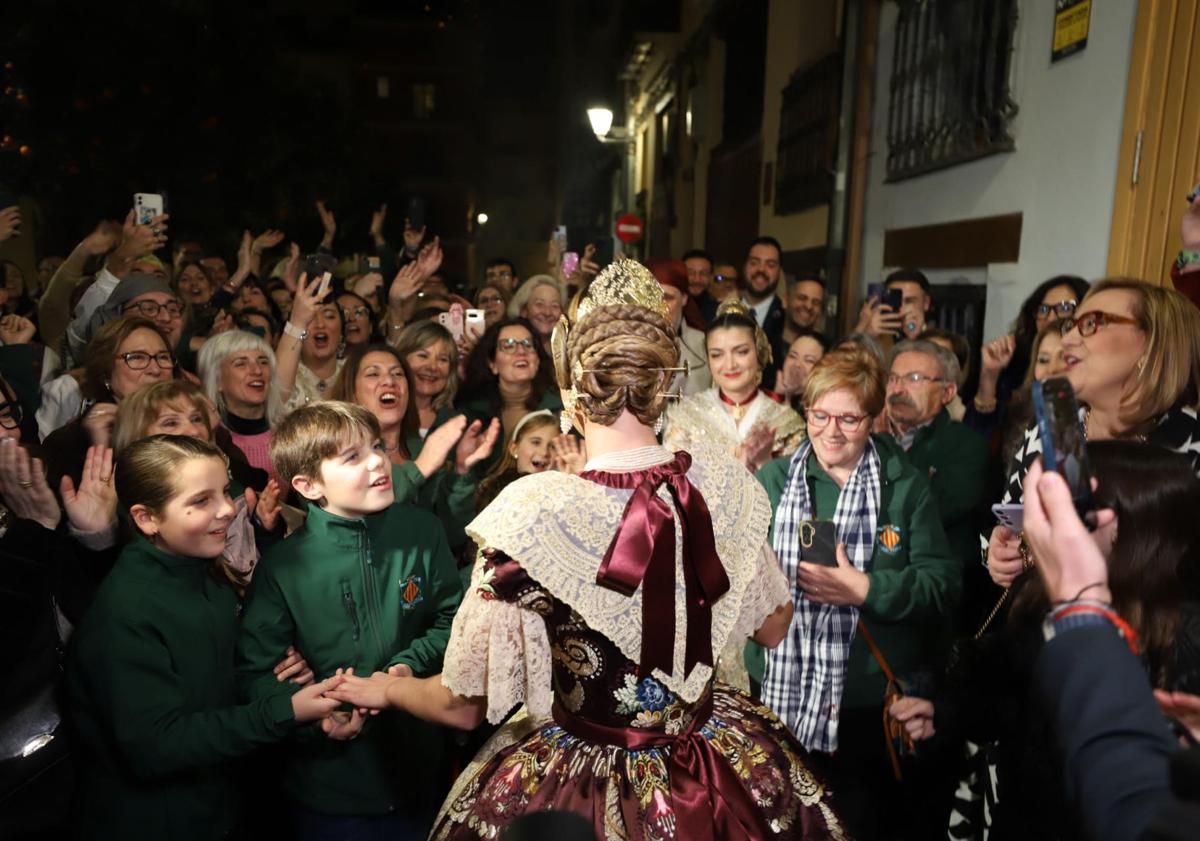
<point x="359" y="320"/>
<point x="508" y="375"/>
<point x="1132" y="355"/>
<point x="1005" y="361"/>
<point x="493" y="300"/>
<point x="124" y="355"/>
<point x="889" y="569"/>
<point x="736" y="414"/>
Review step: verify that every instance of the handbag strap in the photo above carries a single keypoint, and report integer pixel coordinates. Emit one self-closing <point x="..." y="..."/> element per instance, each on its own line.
<point x="876" y="653"/>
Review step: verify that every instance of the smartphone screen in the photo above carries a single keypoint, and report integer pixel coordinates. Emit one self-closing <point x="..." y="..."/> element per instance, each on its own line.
<point x="1064" y="448"/>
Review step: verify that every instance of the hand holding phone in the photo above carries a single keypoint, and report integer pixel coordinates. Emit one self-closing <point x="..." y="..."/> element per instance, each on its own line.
<point x="147" y="206"/>
<point x="1011" y="514"/>
<point x="570" y="262"/>
<point x="474" y="324"/>
<point x="452" y="320"/>
<point x="1064" y="443"/>
<point x="818" y="542"/>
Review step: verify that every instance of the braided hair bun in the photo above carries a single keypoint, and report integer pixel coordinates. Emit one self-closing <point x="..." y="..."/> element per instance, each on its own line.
<point x="621" y="354"/>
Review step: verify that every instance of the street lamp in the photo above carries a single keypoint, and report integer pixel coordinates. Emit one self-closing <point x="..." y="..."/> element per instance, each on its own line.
<point x="482" y="218"/>
<point x="602" y="126"/>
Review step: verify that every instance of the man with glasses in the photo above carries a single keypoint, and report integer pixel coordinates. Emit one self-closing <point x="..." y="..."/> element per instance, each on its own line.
<point x="501" y="273"/>
<point x="922" y="381"/>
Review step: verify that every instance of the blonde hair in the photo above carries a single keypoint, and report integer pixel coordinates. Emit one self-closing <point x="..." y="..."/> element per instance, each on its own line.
<point x="624" y="354"/>
<point x="1170" y="367"/>
<point x="852" y="368"/>
<point x="520" y="298"/>
<point x="137" y="412"/>
<point x="421" y="334"/>
<point x="315" y="432"/>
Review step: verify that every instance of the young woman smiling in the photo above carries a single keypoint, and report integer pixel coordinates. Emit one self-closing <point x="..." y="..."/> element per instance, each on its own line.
<point x="736" y="414"/>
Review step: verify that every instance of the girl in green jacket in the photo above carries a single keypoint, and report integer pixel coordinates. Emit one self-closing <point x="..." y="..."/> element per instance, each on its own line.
<point x="150" y="674"/>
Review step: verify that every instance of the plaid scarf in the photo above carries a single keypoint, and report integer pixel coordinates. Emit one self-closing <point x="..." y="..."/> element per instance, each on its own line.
<point x="806" y="673"/>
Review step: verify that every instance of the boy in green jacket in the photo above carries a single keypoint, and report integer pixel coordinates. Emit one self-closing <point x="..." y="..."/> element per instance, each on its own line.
<point x="366" y="584"/>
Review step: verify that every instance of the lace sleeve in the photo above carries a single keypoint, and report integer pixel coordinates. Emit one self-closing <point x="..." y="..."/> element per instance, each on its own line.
<point x="498" y="644"/>
<point x="771" y="591"/>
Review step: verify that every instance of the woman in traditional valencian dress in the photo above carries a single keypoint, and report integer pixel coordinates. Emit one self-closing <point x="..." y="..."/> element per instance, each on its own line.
<point x="736" y="414"/>
<point x="599" y="600"/>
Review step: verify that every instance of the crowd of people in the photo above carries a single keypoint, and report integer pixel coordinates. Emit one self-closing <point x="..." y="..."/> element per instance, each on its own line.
<point x="329" y="545"/>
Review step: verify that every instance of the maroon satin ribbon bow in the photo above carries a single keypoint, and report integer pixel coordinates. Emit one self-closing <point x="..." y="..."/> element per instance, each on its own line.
<point x="643" y="552"/>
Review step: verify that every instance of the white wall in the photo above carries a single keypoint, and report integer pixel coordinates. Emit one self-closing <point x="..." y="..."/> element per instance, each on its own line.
<point x="1062" y="175"/>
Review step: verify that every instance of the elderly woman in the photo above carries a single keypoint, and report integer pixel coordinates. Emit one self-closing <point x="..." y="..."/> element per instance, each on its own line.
<point x="431" y="356"/>
<point x="1132" y="354"/>
<point x="736" y="414"/>
<point x="892" y="575"/>
<point x="509" y="374"/>
<point x="238" y="371"/>
<point x="440" y="475"/>
<point x="540" y="301"/>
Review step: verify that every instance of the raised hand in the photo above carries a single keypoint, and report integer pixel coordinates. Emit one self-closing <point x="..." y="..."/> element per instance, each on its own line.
<point x="10" y="222"/>
<point x="997" y="354"/>
<point x="291" y="268"/>
<point x="307" y="299"/>
<point x="429" y="259"/>
<point x="267" y="239"/>
<point x="267" y="506"/>
<point x="406" y="284"/>
<point x="438" y="444"/>
<point x="102" y="240"/>
<point x="568" y="454"/>
<point x="588" y="266"/>
<point x="99" y="422"/>
<point x="222" y="322"/>
<point x="311" y="703"/>
<point x="475" y="445"/>
<point x="23" y="486"/>
<point x="875" y="319"/>
<point x="376" y="229"/>
<point x="328" y="222"/>
<point x="293" y="668"/>
<point x="15" y="330"/>
<point x="755" y="449"/>
<point x="93" y="507"/>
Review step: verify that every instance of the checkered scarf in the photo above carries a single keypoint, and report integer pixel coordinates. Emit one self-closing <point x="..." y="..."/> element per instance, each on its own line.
<point x="806" y="673"/>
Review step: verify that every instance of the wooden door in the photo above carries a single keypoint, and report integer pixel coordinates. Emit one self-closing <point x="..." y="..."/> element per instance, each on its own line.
<point x="1160" y="143"/>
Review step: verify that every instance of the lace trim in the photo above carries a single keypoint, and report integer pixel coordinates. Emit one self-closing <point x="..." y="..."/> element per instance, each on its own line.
<point x="700" y="419"/>
<point x="499" y="650"/>
<point x="559" y="526"/>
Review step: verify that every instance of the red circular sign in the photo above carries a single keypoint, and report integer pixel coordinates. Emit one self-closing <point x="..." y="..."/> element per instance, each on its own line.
<point x="630" y="228"/>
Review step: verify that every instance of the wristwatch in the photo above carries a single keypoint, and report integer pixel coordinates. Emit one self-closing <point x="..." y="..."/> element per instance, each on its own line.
<point x="295" y="332"/>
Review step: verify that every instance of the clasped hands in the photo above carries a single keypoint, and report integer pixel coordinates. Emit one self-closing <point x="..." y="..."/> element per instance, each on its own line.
<point x="322" y="701"/>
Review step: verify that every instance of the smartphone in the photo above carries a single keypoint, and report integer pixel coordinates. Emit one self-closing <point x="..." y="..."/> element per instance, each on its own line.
<point x="570" y="262"/>
<point x="453" y="321"/>
<point x="893" y="298"/>
<point x="1064" y="447"/>
<point x="322" y="266"/>
<point x="874" y="290"/>
<point x="369" y="264"/>
<point x="818" y="542"/>
<point x="1011" y="514"/>
<point x="560" y="237"/>
<point x="148" y="205"/>
<point x="474" y="323"/>
<point x="415" y="213"/>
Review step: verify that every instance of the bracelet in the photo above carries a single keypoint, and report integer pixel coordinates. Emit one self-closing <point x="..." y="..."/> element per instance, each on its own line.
<point x="295" y="332"/>
<point x="985" y="406"/>
<point x="1187" y="258"/>
<point x="1098" y="609"/>
<point x="1079" y="596"/>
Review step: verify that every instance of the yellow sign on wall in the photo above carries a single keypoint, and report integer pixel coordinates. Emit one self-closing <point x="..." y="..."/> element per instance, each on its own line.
<point x="1071" y="21"/>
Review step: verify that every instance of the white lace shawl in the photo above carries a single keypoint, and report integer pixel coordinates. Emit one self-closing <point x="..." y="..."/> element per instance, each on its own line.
<point x="558" y="527"/>
<point x="700" y="419"/>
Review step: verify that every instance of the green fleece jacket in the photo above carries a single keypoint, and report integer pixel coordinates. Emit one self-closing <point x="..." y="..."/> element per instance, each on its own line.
<point x="955" y="458"/>
<point x="915" y="584"/>
<point x="367" y="593"/>
<point x="150" y="683"/>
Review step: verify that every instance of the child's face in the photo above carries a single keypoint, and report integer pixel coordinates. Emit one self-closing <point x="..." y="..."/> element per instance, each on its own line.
<point x="180" y="419"/>
<point x="194" y="521"/>
<point x="532" y="451"/>
<point x="354" y="482"/>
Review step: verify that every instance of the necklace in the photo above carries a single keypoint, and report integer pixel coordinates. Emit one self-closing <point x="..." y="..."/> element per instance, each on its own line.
<point x="738" y="410"/>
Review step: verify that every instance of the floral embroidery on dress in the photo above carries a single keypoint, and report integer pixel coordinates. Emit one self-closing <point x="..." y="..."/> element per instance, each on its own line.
<point x="651" y="704"/>
<point x="485" y="588"/>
